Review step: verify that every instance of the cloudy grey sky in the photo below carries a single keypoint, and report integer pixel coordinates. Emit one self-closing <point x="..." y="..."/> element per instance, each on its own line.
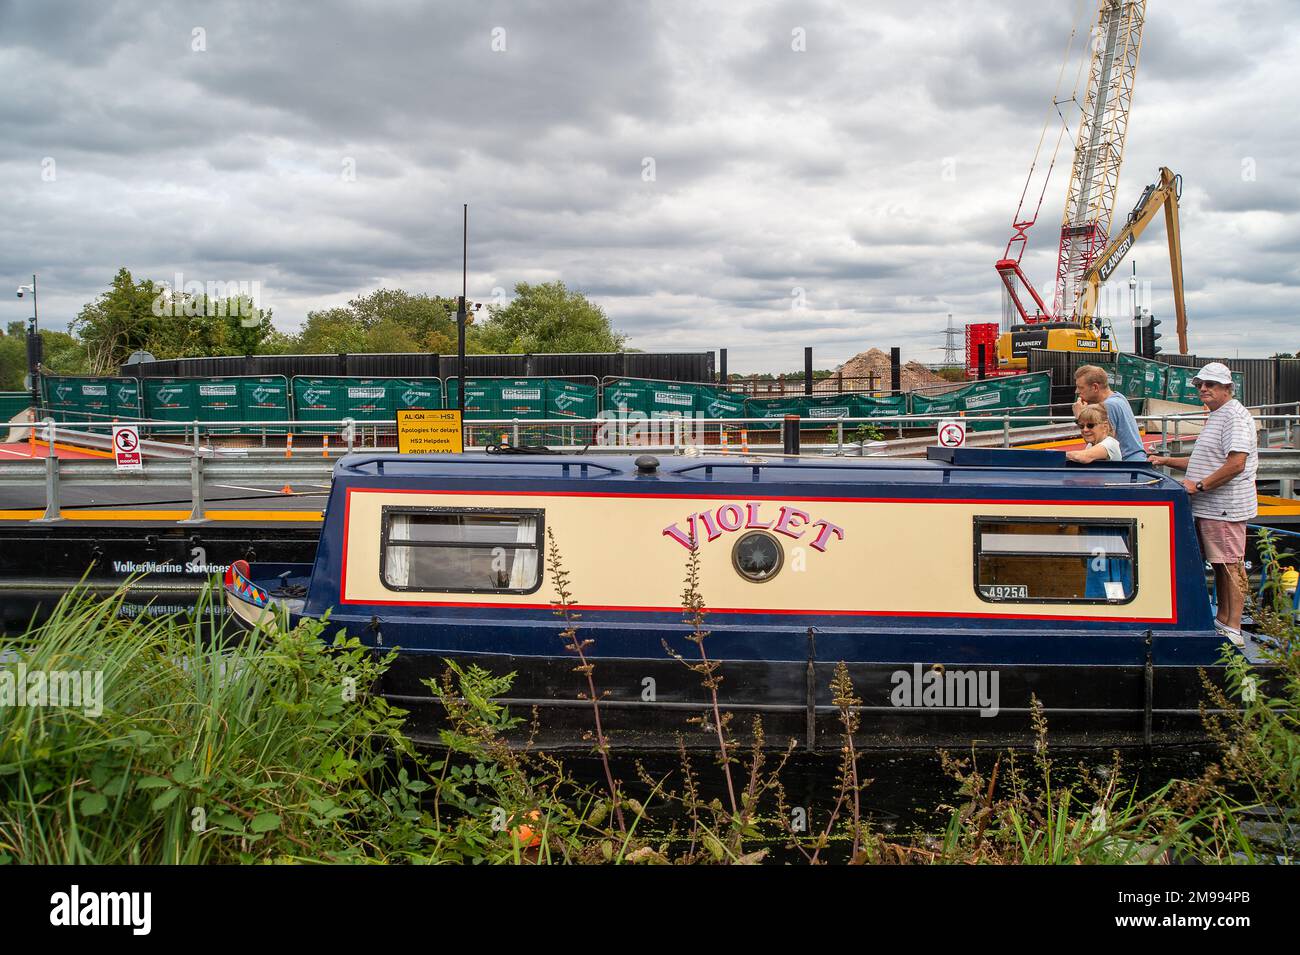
<point x="323" y="150"/>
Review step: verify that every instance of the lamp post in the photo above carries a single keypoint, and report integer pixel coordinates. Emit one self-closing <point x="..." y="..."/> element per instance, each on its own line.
<point x="34" y="350"/>
<point x="464" y="313"/>
<point x="1139" y="347"/>
<point x="460" y="311"/>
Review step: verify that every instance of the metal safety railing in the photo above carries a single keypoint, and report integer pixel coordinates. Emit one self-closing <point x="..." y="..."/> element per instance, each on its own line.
<point x="631" y="433"/>
<point x="635" y="431"/>
<point x="57" y="473"/>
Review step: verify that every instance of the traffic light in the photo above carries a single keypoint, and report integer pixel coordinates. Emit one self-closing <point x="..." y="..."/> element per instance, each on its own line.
<point x="1145" y="334"/>
<point x="35" y="349"/>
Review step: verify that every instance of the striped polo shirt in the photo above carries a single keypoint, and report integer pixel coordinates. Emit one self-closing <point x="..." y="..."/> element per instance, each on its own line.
<point x="1231" y="428"/>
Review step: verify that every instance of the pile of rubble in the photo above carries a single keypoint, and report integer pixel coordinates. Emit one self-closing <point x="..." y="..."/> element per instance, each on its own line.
<point x="869" y="370"/>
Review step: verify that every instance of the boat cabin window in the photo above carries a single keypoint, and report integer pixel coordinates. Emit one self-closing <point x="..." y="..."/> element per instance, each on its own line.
<point x="464" y="550"/>
<point x="1036" y="560"/>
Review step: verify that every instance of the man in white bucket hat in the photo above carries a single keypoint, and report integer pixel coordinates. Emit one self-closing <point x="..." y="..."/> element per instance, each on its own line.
<point x="1221" y="482"/>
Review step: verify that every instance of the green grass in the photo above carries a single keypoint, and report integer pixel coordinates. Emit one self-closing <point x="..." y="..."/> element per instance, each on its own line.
<point x="205" y="752"/>
<point x="272" y="748"/>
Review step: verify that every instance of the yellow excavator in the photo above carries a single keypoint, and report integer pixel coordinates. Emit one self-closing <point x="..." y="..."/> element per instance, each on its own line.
<point x="1164" y="193"/>
<point x="1083" y="331"/>
<point x="1093" y="241"/>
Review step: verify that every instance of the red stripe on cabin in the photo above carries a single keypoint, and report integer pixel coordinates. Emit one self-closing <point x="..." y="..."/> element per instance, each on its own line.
<point x="347" y="522"/>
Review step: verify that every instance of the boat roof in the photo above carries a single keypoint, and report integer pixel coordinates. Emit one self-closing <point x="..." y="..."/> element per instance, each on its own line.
<point x="961" y="466"/>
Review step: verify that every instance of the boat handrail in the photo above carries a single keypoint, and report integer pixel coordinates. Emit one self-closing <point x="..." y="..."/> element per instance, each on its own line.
<point x="566" y="463"/>
<point x="914" y="464"/>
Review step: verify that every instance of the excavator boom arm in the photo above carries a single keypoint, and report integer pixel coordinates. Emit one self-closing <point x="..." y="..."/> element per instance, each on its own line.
<point x="1162" y="194"/>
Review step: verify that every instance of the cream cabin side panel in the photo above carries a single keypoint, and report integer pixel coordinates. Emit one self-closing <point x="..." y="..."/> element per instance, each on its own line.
<point x="894" y="557"/>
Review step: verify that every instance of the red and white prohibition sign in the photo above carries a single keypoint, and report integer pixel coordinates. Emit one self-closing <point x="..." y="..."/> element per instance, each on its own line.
<point x="126" y="447"/>
<point x="952" y="433"/>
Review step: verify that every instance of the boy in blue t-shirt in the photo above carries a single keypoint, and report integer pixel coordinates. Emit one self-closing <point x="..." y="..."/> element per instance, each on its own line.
<point x="1093" y="388"/>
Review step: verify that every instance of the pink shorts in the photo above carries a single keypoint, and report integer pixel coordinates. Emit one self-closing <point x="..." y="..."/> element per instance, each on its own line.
<point x="1223" y="542"/>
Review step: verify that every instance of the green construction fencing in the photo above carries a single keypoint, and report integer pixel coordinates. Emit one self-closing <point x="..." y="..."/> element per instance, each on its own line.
<point x="1016" y="396"/>
<point x="668" y="399"/>
<point x="822" y="411"/>
<point x="212" y="401"/>
<point x="671" y="399"/>
<point x="365" y="400"/>
<point x="93" y="398"/>
<point x="720" y="404"/>
<point x="654" y="399"/>
<point x="571" y="399"/>
<point x="527" y="399"/>
<point x="523" y="398"/>
<point x="1140" y="377"/>
<point x="774" y="409"/>
<point x="1181" y="389"/>
<point x="13" y="402"/>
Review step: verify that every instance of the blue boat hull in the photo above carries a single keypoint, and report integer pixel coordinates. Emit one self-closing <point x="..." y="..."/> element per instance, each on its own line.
<point x="951" y="685"/>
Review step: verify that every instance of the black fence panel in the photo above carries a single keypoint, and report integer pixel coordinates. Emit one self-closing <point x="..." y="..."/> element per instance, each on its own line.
<point x="1062" y="364"/>
<point x="688" y="366"/>
<point x="1262" y="375"/>
<point x="685" y="366"/>
<point x="1288" y="379"/>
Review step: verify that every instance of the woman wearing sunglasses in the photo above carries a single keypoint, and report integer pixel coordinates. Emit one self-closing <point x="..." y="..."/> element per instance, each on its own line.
<point x="1102" y="445"/>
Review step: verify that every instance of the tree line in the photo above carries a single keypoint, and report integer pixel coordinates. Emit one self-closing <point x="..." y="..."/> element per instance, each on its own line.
<point x="149" y="316"/>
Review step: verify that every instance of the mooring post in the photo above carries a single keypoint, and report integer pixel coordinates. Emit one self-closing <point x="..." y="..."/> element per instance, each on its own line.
<point x="790" y="434"/>
<point x="1006" y="431"/>
<point x="349" y="432"/>
<point x="839" y="437"/>
<point x="514" y="432"/>
<point x="196" y="492"/>
<point x="53" y="511"/>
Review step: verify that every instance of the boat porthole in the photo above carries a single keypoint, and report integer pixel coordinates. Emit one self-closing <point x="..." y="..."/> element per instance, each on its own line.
<point x="757" y="556"/>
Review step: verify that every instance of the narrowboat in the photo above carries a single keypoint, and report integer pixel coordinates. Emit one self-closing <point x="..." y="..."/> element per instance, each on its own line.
<point x="955" y="589"/>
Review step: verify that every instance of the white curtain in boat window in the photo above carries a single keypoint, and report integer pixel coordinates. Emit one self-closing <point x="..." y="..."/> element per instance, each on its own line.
<point x="397" y="569"/>
<point x="523" y="572"/>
